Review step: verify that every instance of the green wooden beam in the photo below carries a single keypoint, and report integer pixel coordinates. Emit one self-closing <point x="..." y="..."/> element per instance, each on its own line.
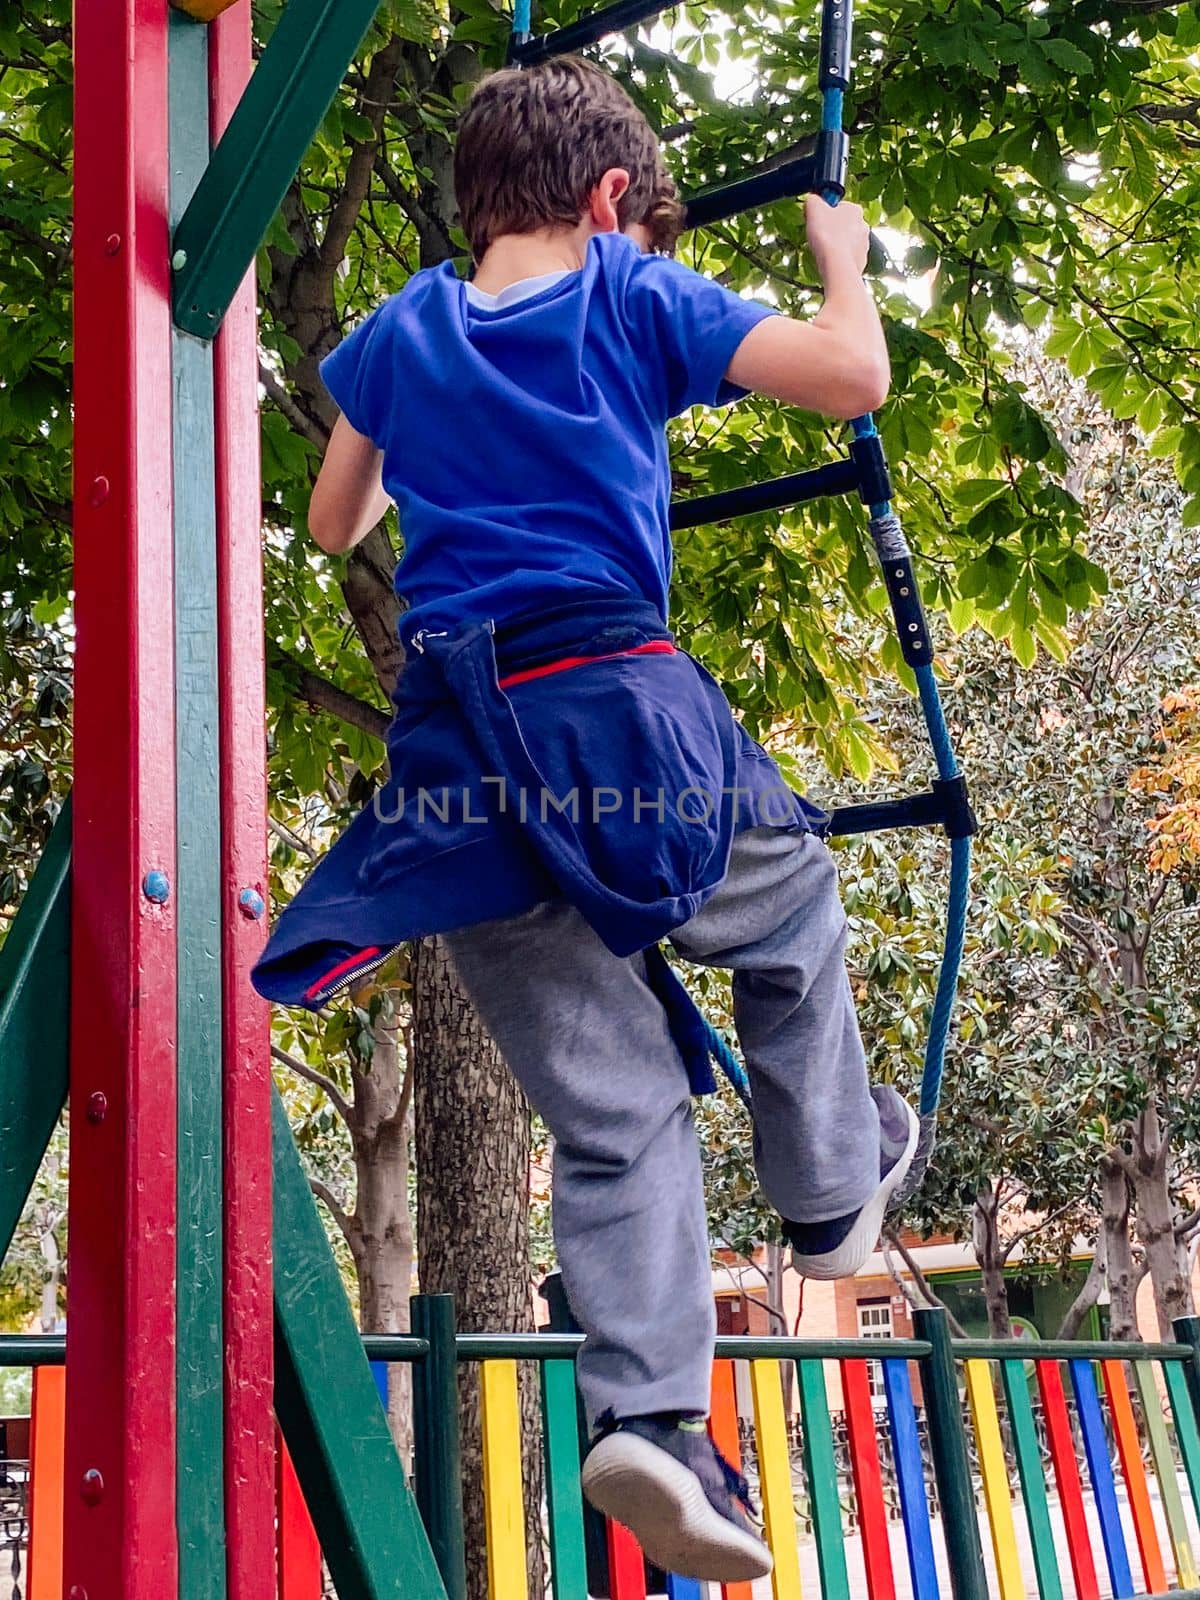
<point x="200" y="1345"/>
<point x="328" y="1407"/>
<point x="34" y="1040"/>
<point x="260" y="152"/>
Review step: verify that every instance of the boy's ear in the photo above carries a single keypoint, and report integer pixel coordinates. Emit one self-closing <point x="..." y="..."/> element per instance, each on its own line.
<point x="604" y="198"/>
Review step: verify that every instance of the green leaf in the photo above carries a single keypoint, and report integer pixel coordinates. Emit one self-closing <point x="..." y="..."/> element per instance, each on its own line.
<point x="1067" y="56"/>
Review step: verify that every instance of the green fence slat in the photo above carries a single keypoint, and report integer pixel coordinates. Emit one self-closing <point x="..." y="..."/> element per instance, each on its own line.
<point x="1164" y="1468"/>
<point x="1185" y="1427"/>
<point x="564" y="1499"/>
<point x="35" y="962"/>
<point x="259" y="153"/>
<point x="820" y="1466"/>
<point x="328" y="1407"/>
<point x="1033" y="1479"/>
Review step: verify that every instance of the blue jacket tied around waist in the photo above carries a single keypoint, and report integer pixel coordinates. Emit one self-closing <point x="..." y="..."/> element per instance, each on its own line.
<point x="617" y="785"/>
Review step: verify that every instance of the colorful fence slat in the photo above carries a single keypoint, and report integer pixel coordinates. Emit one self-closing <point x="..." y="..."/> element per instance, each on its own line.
<point x="1164" y="1470"/>
<point x="775" y="1478"/>
<point x="1137" y="1488"/>
<point x="626" y="1565"/>
<point x="297" y="1549"/>
<point x="503" y="1501"/>
<point x="1066" y="1475"/>
<point x="1104" y="1489"/>
<point x="684" y="1588"/>
<point x="723" y="1426"/>
<point x="47" y="1449"/>
<point x="1033" y="1478"/>
<point x="820" y="1466"/>
<point x="910" y="1479"/>
<point x="564" y="1500"/>
<point x="865" y="1444"/>
<point x="1186" y="1433"/>
<point x="994" y="1471"/>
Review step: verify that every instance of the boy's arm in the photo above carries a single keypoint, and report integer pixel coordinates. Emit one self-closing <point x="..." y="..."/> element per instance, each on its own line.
<point x="837" y="363"/>
<point x="348" y="498"/>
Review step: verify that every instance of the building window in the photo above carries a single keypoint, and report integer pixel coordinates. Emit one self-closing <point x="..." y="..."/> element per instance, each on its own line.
<point x="875" y="1322"/>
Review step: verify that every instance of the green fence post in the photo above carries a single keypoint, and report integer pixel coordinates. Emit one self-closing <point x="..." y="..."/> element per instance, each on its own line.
<point x="436" y="1456"/>
<point x="951" y="1463"/>
<point x="1187" y="1331"/>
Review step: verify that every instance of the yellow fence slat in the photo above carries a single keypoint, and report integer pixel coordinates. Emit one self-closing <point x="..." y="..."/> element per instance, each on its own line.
<point x="503" y="1494"/>
<point x="996" y="1492"/>
<point x="775" y="1478"/>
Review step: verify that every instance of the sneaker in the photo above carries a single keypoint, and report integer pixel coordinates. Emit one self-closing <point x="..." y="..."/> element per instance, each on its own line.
<point x="838" y="1248"/>
<point x="667" y="1482"/>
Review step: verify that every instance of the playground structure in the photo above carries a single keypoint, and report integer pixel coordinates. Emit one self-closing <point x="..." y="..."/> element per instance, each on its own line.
<point x="203" y="1302"/>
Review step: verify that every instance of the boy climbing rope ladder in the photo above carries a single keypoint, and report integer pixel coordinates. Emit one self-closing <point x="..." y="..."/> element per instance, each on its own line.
<point x="567" y="788"/>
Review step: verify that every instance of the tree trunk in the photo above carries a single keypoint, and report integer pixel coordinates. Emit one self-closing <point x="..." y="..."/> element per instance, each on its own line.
<point x="382" y="1241"/>
<point x="1089" y="1292"/>
<point x="776" y="1267"/>
<point x="1165" y="1256"/>
<point x="473" y="1217"/>
<point x="1118" y="1251"/>
<point x="989" y="1252"/>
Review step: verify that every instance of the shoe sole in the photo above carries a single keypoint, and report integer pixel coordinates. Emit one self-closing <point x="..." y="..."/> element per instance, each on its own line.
<point x="858" y="1244"/>
<point x="664" y="1506"/>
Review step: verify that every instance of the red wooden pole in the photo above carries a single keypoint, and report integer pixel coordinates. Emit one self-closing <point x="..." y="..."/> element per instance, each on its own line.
<point x="299" y="1550"/>
<point x="120" y="1541"/>
<point x="1066" y="1475"/>
<point x="249" y="1418"/>
<point x="626" y="1564"/>
<point x="868" y="1480"/>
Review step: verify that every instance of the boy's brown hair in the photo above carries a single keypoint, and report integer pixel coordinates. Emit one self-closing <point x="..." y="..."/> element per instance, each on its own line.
<point x="534" y="142"/>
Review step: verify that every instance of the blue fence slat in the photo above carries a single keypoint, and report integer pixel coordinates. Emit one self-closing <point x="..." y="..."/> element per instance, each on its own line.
<point x="1104" y="1489"/>
<point x="910" y="1479"/>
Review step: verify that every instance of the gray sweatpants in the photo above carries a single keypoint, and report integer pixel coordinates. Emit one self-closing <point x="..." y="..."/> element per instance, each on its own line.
<point x="588" y="1041"/>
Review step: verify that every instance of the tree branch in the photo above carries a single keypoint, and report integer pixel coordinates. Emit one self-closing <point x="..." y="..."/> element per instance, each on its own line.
<point x="293" y="840"/>
<point x="925" y="1297"/>
<point x="308" y="427"/>
<point x="323" y="695"/>
<point x="58" y="253"/>
<point x="324" y="1193"/>
<point x="1089" y="1292"/>
<point x="320" y="1079"/>
<point x="373" y="104"/>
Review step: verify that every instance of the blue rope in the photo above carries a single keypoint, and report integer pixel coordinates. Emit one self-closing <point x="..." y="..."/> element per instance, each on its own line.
<point x="522" y="16"/>
<point x="728" y="1063"/>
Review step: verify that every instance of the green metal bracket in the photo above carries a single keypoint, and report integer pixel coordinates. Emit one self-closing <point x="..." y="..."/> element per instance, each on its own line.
<point x="34" y="1036"/>
<point x="328" y="1407"/>
<point x="259" y="153"/>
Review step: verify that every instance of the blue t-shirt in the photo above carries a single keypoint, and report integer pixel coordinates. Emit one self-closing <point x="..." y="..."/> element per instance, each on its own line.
<point x="525" y="446"/>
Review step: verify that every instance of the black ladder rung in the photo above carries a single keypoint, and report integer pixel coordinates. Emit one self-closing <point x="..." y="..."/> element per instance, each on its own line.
<point x="945" y="804"/>
<point x="761" y="188"/>
<point x="838" y="477"/>
<point x="595" y="25"/>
